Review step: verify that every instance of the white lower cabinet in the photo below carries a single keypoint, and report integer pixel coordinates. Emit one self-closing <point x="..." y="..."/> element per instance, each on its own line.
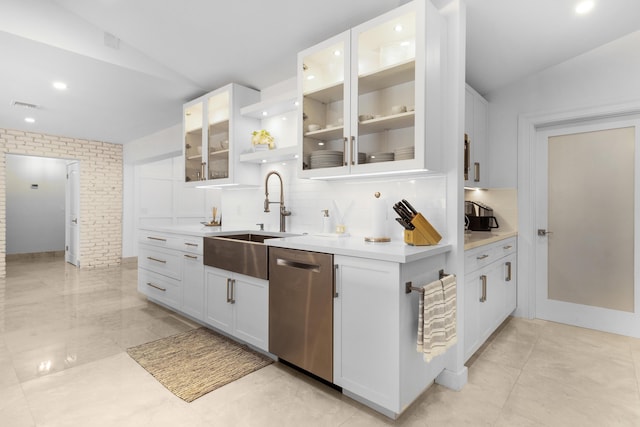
<point x="238" y="305"/>
<point x="375" y="328"/>
<point x="490" y="291"/>
<point x="170" y="271"/>
<point x="193" y="285"/>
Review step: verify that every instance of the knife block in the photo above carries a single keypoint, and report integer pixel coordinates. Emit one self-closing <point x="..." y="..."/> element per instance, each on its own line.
<point x="423" y="235"/>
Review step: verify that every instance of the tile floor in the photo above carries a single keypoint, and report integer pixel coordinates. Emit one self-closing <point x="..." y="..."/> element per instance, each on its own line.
<point x="63" y="335"/>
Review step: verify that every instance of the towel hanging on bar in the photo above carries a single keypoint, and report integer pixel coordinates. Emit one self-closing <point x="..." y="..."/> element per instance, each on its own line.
<point x="437" y="317"/>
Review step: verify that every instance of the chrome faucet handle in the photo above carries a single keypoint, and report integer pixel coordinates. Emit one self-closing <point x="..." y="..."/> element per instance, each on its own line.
<point x="261" y="225"/>
<point x="266" y="205"/>
<point x="284" y="211"/>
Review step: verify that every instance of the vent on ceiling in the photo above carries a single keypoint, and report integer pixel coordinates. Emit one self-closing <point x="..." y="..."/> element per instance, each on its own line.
<point x="23" y="104"/>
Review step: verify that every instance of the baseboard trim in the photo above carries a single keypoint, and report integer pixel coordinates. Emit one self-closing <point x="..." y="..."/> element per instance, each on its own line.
<point x="34" y="255"/>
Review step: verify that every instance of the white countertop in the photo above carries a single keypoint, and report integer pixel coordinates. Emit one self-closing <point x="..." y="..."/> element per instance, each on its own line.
<point x="394" y="251"/>
<point x="480" y="238"/>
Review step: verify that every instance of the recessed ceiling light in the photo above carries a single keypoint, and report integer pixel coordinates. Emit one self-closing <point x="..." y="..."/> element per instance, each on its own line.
<point x="584" y="7"/>
<point x="29" y="120"/>
<point x="311" y="77"/>
<point x="336" y="52"/>
<point x="398" y="28"/>
<point x="264" y="113"/>
<point x="60" y="85"/>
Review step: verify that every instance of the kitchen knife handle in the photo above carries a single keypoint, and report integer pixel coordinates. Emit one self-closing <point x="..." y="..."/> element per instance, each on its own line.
<point x="411" y="208"/>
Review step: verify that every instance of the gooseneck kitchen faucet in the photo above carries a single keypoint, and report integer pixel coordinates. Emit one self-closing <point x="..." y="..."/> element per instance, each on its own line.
<point x="283" y="211"/>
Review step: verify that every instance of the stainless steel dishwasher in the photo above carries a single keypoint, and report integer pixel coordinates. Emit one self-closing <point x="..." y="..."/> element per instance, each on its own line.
<point x="301" y="289"/>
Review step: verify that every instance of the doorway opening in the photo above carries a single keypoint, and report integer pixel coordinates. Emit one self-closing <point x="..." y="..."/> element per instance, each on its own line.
<point x="38" y="201"/>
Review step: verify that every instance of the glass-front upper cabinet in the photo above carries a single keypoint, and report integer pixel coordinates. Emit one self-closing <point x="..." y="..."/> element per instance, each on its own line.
<point x="193" y="142"/>
<point x="371" y="96"/>
<point x="216" y="134"/>
<point x="325" y="105"/>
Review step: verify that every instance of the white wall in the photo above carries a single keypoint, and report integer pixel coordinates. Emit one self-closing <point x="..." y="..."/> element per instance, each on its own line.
<point x="35" y="217"/>
<point x="604" y="76"/>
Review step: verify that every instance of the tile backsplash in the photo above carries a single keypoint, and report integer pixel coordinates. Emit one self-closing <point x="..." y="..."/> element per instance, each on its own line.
<point x="349" y="200"/>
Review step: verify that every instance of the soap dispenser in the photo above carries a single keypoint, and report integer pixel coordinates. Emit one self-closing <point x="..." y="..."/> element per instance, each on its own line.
<point x="326" y="221"/>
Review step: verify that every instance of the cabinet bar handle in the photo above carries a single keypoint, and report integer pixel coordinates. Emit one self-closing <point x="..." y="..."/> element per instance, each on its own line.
<point x="508" y="278"/>
<point x="203" y="172"/>
<point x="476" y="172"/>
<point x="483" y="279"/>
<point x="344" y="151"/>
<point x="190" y="256"/>
<point x="506" y="248"/>
<point x="233" y="291"/>
<point x="467" y="159"/>
<point x="482" y="256"/>
<point x="156" y="238"/>
<point x="335" y="280"/>
<point x="157" y="287"/>
<point x="228" y="290"/>
<point x="191" y="244"/>
<point x="157" y="260"/>
<point x="353" y="147"/>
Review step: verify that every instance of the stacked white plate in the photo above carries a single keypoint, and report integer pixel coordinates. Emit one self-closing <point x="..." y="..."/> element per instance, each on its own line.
<point x="404" y="153"/>
<point x="326" y="159"/>
<point x="380" y="157"/>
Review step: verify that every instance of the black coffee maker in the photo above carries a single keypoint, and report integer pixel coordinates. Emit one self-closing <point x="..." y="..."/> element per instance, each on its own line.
<point x="480" y="216"/>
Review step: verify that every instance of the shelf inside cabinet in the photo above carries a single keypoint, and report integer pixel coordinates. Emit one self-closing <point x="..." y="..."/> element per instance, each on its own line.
<point x="395" y="121"/>
<point x="327" y="94"/>
<point x="386" y="77"/>
<point x="219" y="152"/>
<point x="218" y="127"/>
<point x="195" y="157"/>
<point x="274" y="106"/>
<point x="275" y="155"/>
<point x="327" y="134"/>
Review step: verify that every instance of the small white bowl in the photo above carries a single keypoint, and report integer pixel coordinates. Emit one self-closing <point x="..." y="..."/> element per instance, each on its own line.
<point x="364" y="117"/>
<point x="313" y="127"/>
<point x="397" y="109"/>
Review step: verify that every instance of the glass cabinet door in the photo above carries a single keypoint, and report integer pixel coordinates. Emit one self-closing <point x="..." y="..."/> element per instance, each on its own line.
<point x="218" y="136"/>
<point x="384" y="96"/>
<point x="322" y="81"/>
<point x="193" y="143"/>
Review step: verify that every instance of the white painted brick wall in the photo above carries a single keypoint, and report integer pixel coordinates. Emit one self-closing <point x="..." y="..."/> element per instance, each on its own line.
<point x="100" y="191"/>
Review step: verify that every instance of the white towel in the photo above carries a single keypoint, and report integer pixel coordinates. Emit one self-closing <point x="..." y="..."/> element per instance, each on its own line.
<point x="437" y="318"/>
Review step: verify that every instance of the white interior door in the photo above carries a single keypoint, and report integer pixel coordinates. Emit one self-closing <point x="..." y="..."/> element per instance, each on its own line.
<point x="72" y="214"/>
<point x="586" y="249"/>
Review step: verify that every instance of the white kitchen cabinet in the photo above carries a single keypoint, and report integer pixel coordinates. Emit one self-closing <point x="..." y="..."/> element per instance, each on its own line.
<point x="216" y="134"/>
<point x="375" y="330"/>
<point x="193" y="285"/>
<point x="171" y="272"/>
<point x="476" y="150"/>
<point x="490" y="291"/>
<point x="371" y="97"/>
<point x="238" y="305"/>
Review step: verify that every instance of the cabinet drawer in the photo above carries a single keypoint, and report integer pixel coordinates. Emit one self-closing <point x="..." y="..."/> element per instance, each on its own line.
<point x="161" y="261"/>
<point x="161" y="240"/>
<point x="479" y="257"/>
<point x="160" y="288"/>
<point x="506" y="247"/>
<point x="192" y="245"/>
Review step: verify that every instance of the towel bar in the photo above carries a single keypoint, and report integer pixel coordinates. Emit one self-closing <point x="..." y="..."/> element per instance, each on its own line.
<point x="409" y="285"/>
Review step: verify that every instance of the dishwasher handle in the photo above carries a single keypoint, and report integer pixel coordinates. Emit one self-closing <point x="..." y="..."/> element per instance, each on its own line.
<point x="297" y="264"/>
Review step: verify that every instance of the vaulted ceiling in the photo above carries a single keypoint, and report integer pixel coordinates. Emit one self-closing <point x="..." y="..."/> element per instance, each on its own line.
<point x="131" y="64"/>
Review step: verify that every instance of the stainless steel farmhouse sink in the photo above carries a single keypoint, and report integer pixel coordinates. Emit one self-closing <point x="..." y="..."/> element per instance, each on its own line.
<point x="243" y="253"/>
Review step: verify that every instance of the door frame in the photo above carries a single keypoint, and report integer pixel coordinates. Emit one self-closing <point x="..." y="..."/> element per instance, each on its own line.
<point x="68" y="241"/>
<point x="528" y="127"/>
